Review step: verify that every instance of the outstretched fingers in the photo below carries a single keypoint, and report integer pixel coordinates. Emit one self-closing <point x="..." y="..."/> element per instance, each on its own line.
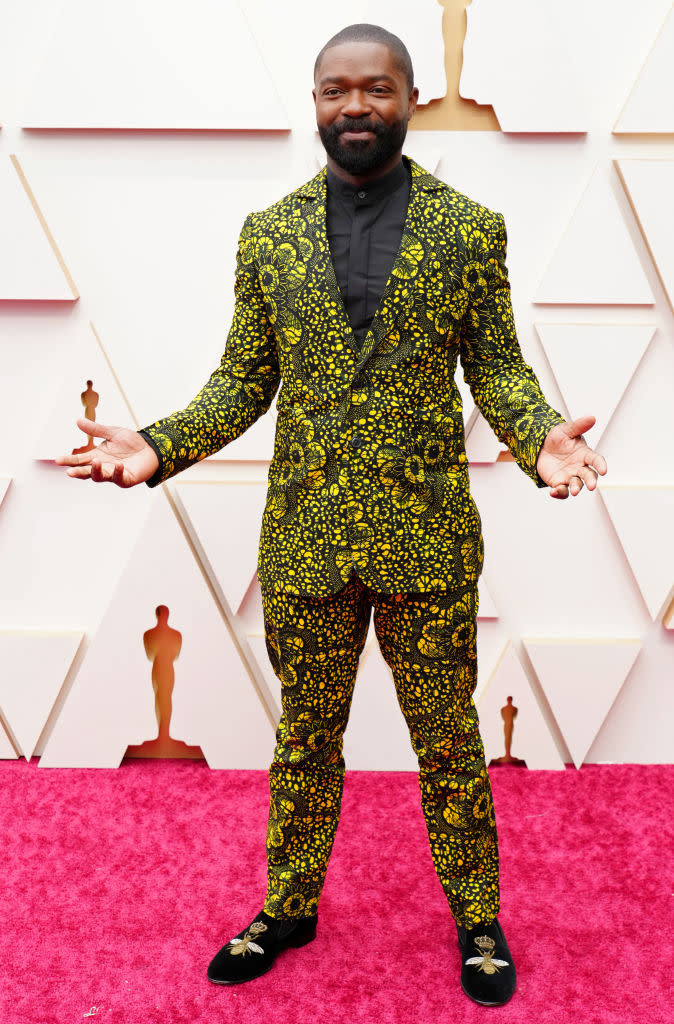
<point x="598" y="462"/>
<point x="92" y="429"/>
<point x="588" y="471"/>
<point x="100" y="471"/>
<point x="83" y="459"/>
<point x="571" y="483"/>
<point x="79" y="472"/>
<point x="104" y="471"/>
<point x="586" y="475"/>
<point x="582" y="474"/>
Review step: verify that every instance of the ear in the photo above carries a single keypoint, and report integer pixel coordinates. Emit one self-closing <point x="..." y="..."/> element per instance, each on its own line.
<point x="313" y="93"/>
<point x="412" y="104"/>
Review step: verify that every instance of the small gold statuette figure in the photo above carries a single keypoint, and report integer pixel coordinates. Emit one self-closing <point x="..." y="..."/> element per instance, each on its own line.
<point x="508" y="714"/>
<point x="245" y="944"/>
<point x="486" y="962"/>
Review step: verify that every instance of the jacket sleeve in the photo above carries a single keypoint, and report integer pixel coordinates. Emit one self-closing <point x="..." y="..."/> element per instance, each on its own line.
<point x="505" y="388"/>
<point x="239" y="391"/>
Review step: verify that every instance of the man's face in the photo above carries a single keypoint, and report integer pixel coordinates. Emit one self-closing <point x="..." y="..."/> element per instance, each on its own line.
<point x="363" y="105"/>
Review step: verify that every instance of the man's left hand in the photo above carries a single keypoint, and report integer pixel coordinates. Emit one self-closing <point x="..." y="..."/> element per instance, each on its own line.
<point x="566" y="461"/>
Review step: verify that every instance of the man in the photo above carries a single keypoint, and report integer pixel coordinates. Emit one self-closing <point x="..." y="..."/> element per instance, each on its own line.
<point x="358" y="293"/>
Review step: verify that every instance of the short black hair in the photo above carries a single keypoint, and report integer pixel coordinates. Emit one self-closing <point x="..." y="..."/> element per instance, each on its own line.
<point x="364" y="33"/>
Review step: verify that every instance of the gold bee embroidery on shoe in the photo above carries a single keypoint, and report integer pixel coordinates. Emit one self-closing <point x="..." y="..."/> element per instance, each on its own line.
<point x="486" y="962"/>
<point x="245" y="944"/>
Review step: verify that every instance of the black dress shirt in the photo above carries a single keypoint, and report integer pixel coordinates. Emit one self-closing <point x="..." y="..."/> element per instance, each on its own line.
<point x="365" y="226"/>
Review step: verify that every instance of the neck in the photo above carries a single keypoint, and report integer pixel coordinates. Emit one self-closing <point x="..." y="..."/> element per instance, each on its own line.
<point x="364" y="179"/>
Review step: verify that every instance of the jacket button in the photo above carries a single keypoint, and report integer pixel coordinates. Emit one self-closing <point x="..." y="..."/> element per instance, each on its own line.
<point x="357" y="441"/>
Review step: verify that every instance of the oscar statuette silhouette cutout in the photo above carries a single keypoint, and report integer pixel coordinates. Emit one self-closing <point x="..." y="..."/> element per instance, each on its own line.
<point x="508" y="714"/>
<point x="89" y="400"/>
<point x="162" y="646"/>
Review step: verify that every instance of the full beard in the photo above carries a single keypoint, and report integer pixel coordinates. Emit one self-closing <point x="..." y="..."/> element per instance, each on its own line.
<point x="360" y="156"/>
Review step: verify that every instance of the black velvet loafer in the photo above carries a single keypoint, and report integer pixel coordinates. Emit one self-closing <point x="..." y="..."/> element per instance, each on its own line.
<point x="253" y="951"/>
<point x="487" y="970"/>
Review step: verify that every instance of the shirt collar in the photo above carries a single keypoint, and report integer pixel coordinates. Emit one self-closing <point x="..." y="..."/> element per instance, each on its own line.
<point x="378" y="188"/>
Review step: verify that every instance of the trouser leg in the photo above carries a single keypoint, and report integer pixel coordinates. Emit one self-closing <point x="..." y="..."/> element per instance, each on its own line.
<point x="428" y="641"/>
<point x="314" y="645"/>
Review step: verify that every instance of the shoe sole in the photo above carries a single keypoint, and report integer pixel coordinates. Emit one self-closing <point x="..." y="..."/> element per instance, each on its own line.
<point x="241" y="981"/>
<point x="297" y="944"/>
<point x="483" y="1002"/>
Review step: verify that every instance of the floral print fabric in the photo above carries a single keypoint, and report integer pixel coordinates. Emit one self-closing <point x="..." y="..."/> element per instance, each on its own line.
<point x="369" y="469"/>
<point x="428" y="641"/>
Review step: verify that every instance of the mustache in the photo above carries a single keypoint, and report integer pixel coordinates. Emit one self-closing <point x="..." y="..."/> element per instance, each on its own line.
<point x="359" y="124"/>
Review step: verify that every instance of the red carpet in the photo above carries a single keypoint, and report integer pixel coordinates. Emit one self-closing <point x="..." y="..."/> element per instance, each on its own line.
<point x="119" y="886"/>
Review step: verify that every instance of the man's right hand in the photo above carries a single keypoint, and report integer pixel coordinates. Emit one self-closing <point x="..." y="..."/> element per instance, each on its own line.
<point x="123" y="457"/>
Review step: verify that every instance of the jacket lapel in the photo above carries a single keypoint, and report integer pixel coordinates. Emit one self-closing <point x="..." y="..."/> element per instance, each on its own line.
<point x="406" y="265"/>
<point x="322" y="273"/>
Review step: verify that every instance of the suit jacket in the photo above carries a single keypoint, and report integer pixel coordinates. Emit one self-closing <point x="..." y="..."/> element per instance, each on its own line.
<point x="369" y="469"/>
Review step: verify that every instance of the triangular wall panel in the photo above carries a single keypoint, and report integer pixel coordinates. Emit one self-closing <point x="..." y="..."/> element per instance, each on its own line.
<point x="250" y="610"/>
<point x="5" y="481"/>
<point x="146" y="64"/>
<point x="83" y="361"/>
<point x="33" y="667"/>
<point x="643" y="518"/>
<point x="595" y="262"/>
<point x="31" y="266"/>
<point x="388" y="747"/>
<point x="650" y="106"/>
<point x="486" y="607"/>
<point x="470" y="410"/>
<point x="650" y="185"/>
<point x="593" y="365"/>
<point x="581" y="679"/>
<point x="224" y="520"/>
<point x="426" y="147"/>
<point x="7" y="751"/>
<point x="257" y="645"/>
<point x="482" y="444"/>
<point x="111" y="702"/>
<point x="668" y="620"/>
<point x="532" y="740"/>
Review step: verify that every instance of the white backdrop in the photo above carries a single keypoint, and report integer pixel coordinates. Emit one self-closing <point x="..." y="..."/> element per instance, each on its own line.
<point x="140" y="142"/>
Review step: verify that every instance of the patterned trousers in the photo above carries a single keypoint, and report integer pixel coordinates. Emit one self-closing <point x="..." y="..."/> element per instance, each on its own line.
<point x="428" y="640"/>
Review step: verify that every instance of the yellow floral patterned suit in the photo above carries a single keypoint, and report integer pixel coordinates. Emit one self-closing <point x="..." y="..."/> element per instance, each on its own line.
<point x="369" y="467"/>
<point x="369" y="507"/>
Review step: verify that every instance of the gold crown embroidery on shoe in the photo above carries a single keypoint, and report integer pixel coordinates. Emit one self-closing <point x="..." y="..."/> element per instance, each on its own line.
<point x="486" y="963"/>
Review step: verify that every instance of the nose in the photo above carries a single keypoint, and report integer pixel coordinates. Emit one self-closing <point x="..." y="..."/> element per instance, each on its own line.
<point x="356" y="104"/>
